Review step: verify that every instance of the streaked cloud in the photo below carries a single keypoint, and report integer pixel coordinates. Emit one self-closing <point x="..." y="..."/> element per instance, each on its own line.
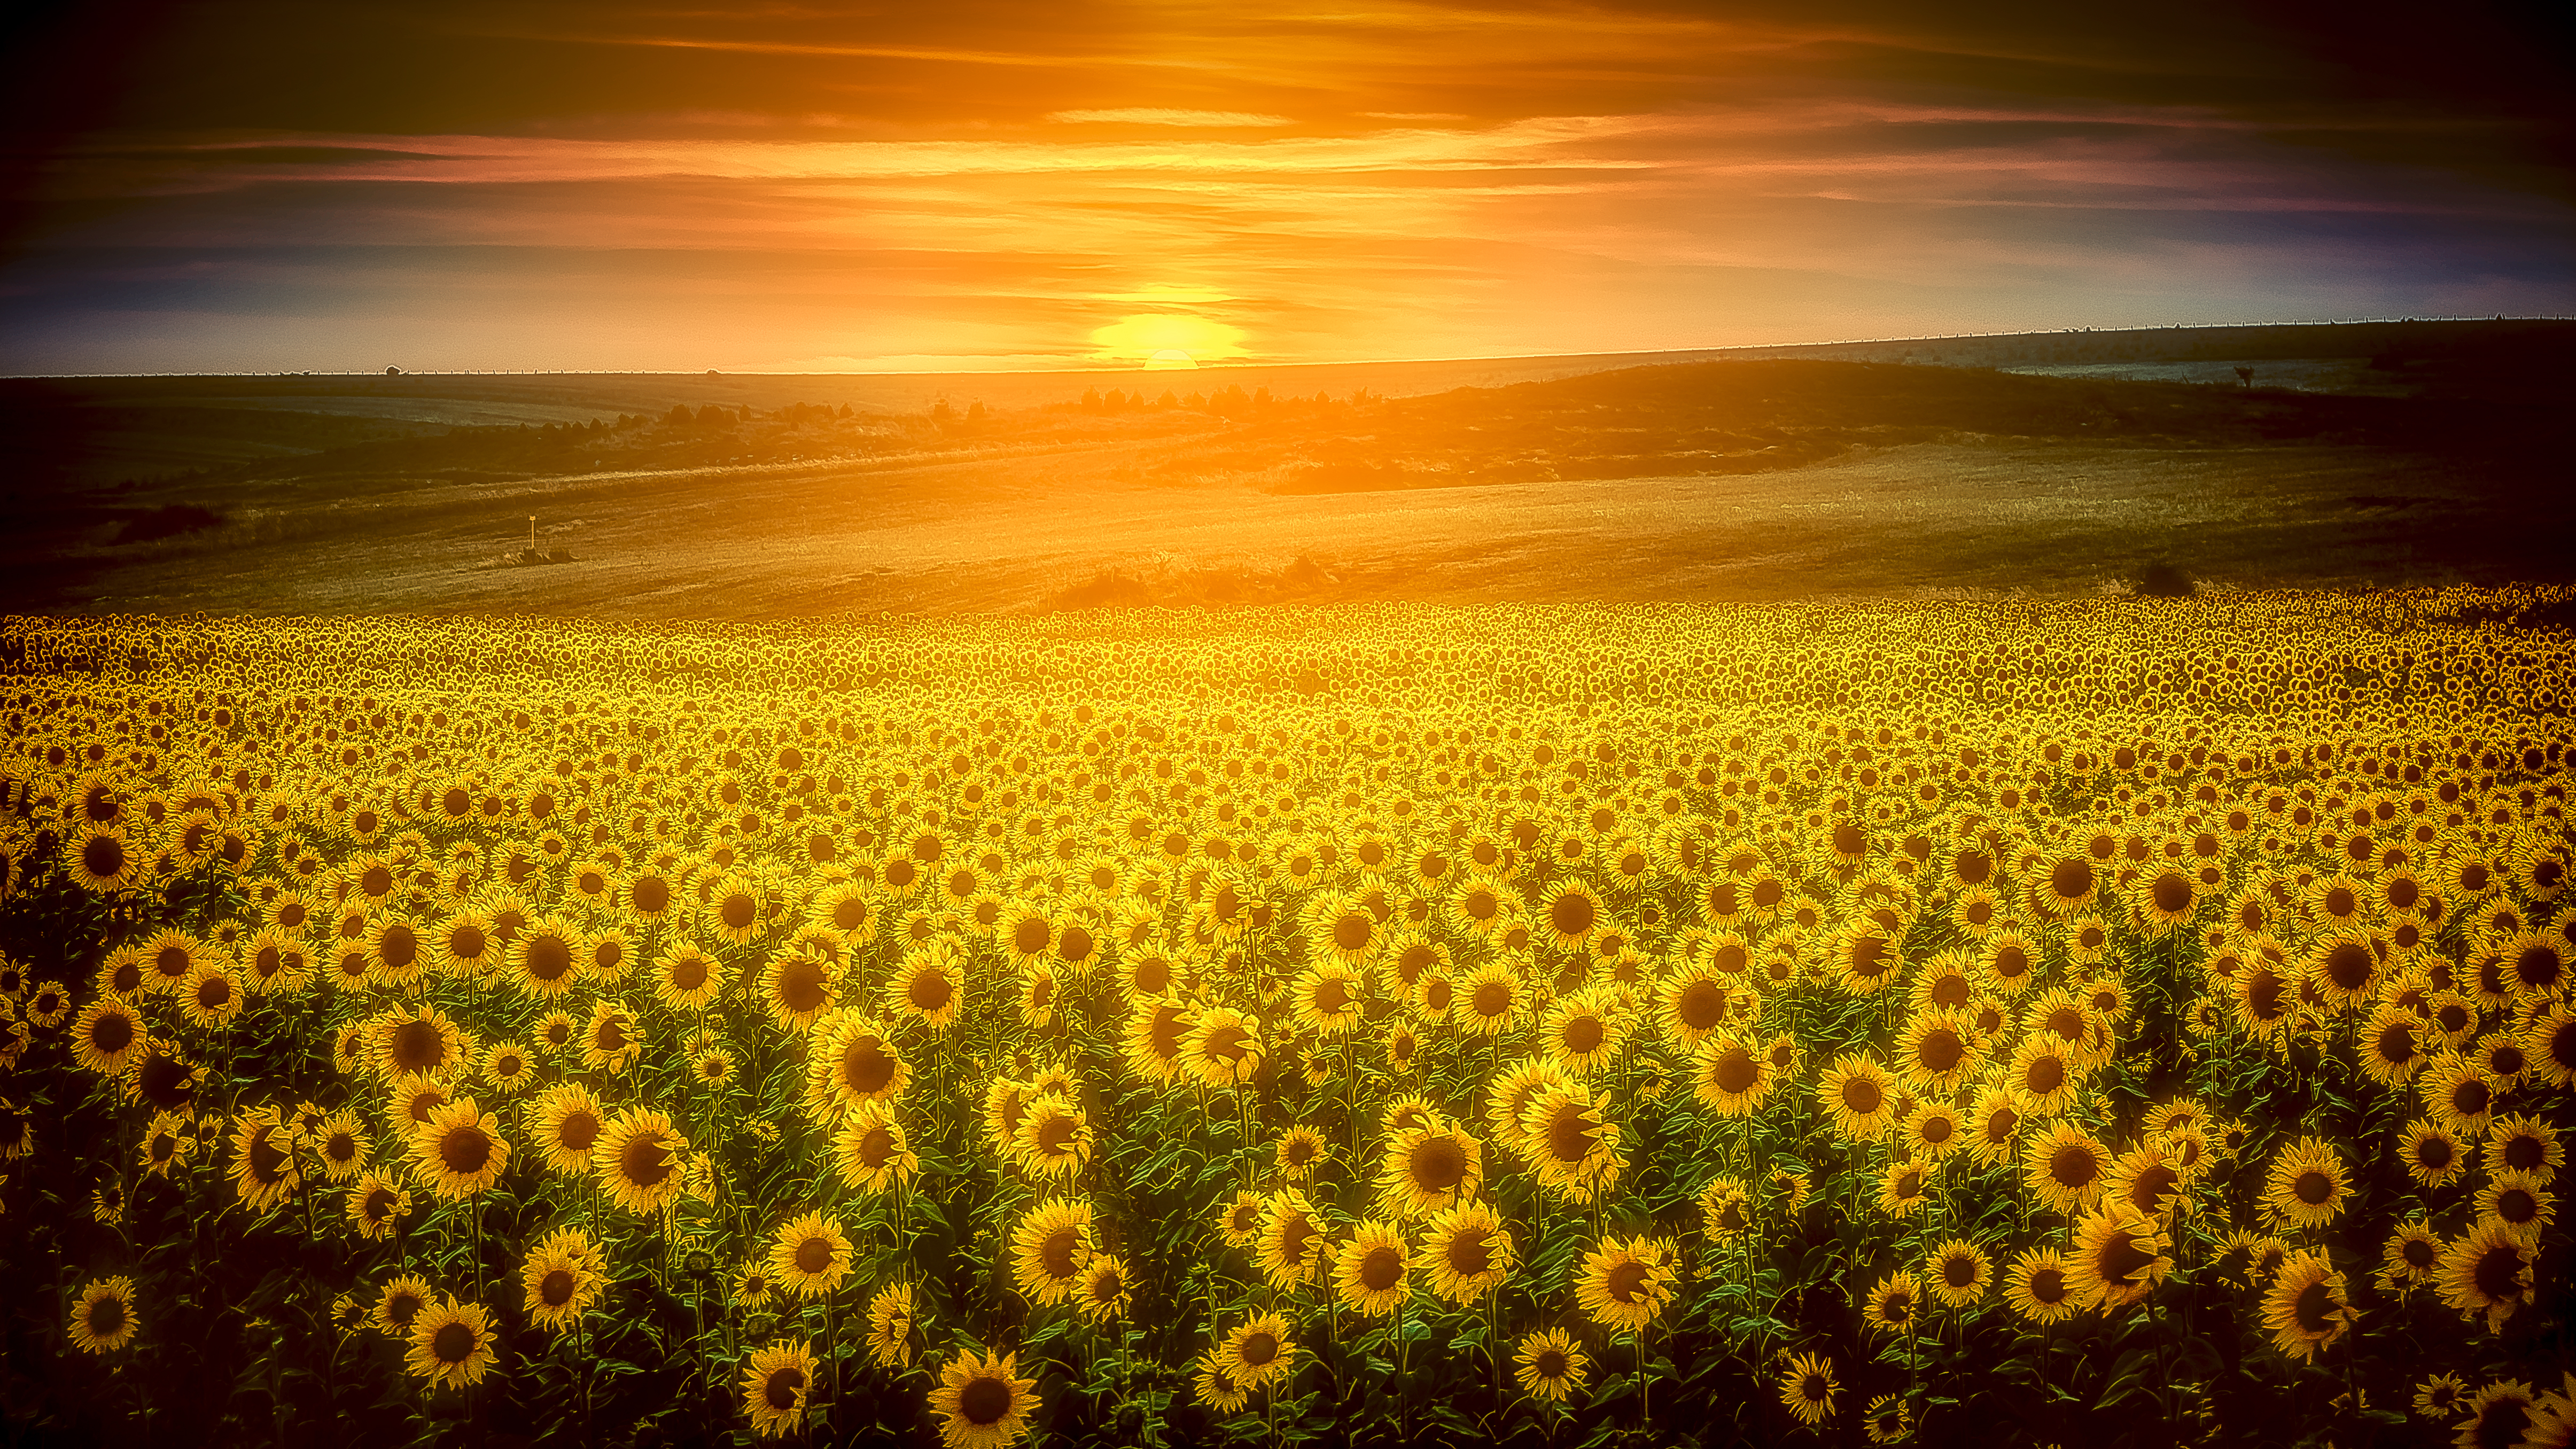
<point x="1168" y="116"/>
<point x="559" y="183"/>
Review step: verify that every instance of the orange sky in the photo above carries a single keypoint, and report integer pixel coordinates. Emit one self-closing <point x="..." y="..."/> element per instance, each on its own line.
<point x="283" y="186"/>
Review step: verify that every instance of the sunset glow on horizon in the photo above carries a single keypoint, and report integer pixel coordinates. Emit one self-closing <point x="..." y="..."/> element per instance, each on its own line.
<point x="577" y="186"/>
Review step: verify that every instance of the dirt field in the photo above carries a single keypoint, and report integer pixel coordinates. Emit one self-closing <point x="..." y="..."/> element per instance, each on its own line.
<point x="954" y="537"/>
<point x="1701" y="481"/>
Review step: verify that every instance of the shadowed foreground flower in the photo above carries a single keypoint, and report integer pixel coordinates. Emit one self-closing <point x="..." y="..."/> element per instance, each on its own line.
<point x="1551" y="1366"/>
<point x="1624" y="1283"/>
<point x="1468" y="1252"/>
<point x="637" y="1157"/>
<point x="1258" y="1350"/>
<point x="1370" y="1272"/>
<point x="560" y="1281"/>
<point x="1807" y="1388"/>
<point x="2305" y="1306"/>
<point x="775" y="1385"/>
<point x="2487" y="1273"/>
<point x="2120" y="1256"/>
<point x="451" y="1343"/>
<point x="103" y="1321"/>
<point x="980" y="1404"/>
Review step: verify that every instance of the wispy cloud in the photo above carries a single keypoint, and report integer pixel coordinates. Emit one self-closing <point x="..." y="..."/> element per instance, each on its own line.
<point x="1168" y="116"/>
<point x="750" y="186"/>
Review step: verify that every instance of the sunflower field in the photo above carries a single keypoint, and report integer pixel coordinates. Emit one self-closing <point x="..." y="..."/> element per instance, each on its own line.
<point x="2138" y="1020"/>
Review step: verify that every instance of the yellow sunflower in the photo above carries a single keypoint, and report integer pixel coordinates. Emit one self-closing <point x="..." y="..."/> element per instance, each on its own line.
<point x="451" y="1343"/>
<point x="2067" y="1168"/>
<point x="638" y="1158"/>
<point x="981" y="1403"/>
<point x="2119" y="1256"/>
<point x="1372" y="1270"/>
<point x="1807" y="1388"/>
<point x="1860" y="1096"/>
<point x="265" y="1172"/>
<point x="103" y="1320"/>
<point x="561" y="1279"/>
<point x="810" y="1256"/>
<point x="1549" y="1366"/>
<point x="2041" y="1288"/>
<point x="2305" y="1188"/>
<point x="1049" y="1250"/>
<point x="1960" y="1273"/>
<point x="459" y="1151"/>
<point x="1625" y="1283"/>
<point x="1428" y="1166"/>
<point x="376" y="1206"/>
<point x="776" y="1383"/>
<point x="1290" y="1244"/>
<point x="568" y="1125"/>
<point x="1103" y="1294"/>
<point x="890" y="1326"/>
<point x="1258" y="1350"/>
<point x="870" y="1152"/>
<point x="1730" y="1075"/>
<point x="109" y="1037"/>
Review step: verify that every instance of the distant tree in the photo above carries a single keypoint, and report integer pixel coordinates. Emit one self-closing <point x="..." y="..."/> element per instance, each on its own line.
<point x="1198" y="400"/>
<point x="2245" y="377"/>
<point x="1091" y="400"/>
<point x="975" y="412"/>
<point x="1167" y="400"/>
<point x="679" y="416"/>
<point x="941" y="412"/>
<point x="1115" y="402"/>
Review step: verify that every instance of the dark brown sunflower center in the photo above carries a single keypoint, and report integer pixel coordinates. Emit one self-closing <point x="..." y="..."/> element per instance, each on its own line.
<point x="646" y="1160"/>
<point x="2071" y="880"/>
<point x="1437" y="1164"/>
<point x="1470" y="1252"/>
<point x="800" y="985"/>
<point x="1569" y="1134"/>
<point x="2498" y="1273"/>
<point x="2120" y="1258"/>
<point x="1056" y="1250"/>
<point x="1380" y="1269"/>
<point x="465" y="1150"/>
<point x="929" y="992"/>
<point x="1572" y="914"/>
<point x="452" y="1343"/>
<point x="112" y="1033"/>
<point x="1736" y="1072"/>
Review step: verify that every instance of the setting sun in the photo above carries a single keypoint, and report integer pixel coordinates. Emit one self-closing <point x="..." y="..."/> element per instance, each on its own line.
<point x="1167" y="340"/>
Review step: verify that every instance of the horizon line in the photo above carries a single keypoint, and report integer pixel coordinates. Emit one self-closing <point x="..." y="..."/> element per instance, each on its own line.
<point x="1240" y="365"/>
